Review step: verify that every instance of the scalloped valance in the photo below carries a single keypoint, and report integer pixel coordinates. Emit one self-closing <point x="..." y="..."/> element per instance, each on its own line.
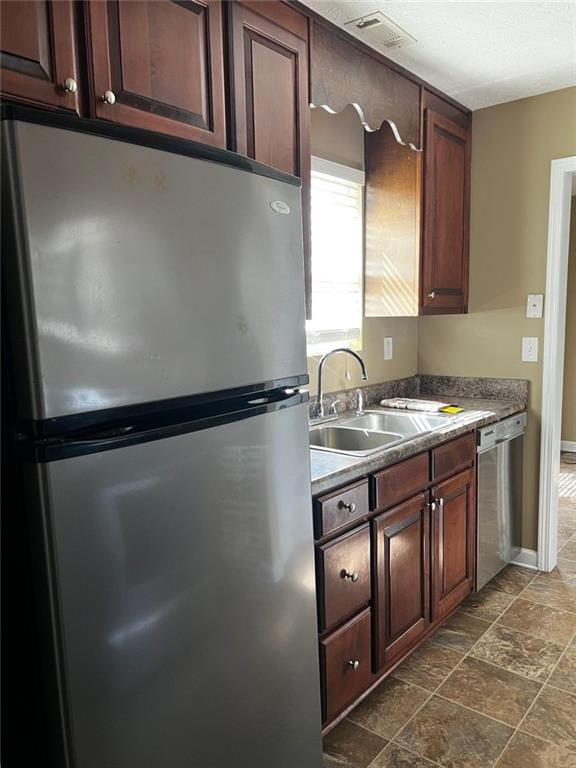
<point x="342" y="74"/>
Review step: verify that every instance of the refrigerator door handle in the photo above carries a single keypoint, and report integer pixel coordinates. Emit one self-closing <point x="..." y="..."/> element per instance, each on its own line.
<point x="156" y="428"/>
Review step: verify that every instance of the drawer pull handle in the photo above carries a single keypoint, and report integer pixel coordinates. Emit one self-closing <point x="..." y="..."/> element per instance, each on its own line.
<point x="353" y="576"/>
<point x="354" y="664"/>
<point x="348" y="507"/>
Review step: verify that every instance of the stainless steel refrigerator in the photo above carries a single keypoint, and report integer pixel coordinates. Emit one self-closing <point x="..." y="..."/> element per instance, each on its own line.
<point x="156" y="331"/>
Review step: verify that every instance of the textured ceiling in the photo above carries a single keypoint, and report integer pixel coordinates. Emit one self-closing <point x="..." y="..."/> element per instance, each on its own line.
<point x="481" y="52"/>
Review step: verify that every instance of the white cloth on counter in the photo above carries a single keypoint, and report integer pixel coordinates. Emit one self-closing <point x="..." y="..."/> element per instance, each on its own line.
<point x="410" y="404"/>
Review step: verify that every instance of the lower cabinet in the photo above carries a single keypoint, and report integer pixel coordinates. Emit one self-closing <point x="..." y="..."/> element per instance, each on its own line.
<point x="391" y="566"/>
<point x="343" y="577"/>
<point x="346" y="658"/>
<point x="454" y="543"/>
<point x="401" y="542"/>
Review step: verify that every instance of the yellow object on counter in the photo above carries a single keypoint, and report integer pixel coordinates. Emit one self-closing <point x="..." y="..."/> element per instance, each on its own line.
<point x="451" y="409"/>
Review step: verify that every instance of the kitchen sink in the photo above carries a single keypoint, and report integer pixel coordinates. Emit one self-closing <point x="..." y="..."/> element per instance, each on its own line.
<point x="371" y="431"/>
<point x="361" y="442"/>
<point x="407" y="424"/>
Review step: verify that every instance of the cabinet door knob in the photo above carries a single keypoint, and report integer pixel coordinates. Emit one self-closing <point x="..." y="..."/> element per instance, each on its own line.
<point x="109" y="97"/>
<point x="354" y="664"/>
<point x="349" y="507"/>
<point x="70" y="85"/>
<point x="432" y="295"/>
<point x="351" y="575"/>
<point x="432" y="505"/>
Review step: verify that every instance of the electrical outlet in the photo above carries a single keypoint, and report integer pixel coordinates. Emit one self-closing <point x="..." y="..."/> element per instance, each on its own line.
<point x="534" y="305"/>
<point x="388" y="348"/>
<point x="530" y="349"/>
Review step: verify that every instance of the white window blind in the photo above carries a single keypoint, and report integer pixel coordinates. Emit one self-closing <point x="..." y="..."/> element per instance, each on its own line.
<point x="337" y="211"/>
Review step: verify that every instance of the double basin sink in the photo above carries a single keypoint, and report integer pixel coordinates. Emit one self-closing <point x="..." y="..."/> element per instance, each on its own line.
<point x="373" y="430"/>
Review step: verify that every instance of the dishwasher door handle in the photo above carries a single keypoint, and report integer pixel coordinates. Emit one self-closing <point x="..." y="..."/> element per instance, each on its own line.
<point x="499" y="441"/>
<point x="508" y="438"/>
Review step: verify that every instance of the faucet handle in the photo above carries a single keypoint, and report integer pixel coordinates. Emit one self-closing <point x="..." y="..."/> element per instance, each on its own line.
<point x="333" y="408"/>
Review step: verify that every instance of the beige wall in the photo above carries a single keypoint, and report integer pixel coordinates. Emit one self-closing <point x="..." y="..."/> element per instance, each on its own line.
<point x="569" y="397"/>
<point x="340" y="138"/>
<point x="512" y="146"/>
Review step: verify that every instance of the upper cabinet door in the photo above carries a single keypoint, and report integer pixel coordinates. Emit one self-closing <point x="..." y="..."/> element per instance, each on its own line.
<point x="270" y="85"/>
<point x="160" y="65"/>
<point x="445" y="245"/>
<point x="38" y="53"/>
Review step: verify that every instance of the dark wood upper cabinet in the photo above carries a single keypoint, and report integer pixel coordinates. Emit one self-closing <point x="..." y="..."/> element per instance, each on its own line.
<point x="160" y="66"/>
<point x="445" y="108"/>
<point x="445" y="238"/>
<point x="401" y="541"/>
<point x="270" y="85"/>
<point x="38" y="53"/>
<point x="417" y="216"/>
<point x="270" y="102"/>
<point x="453" y="543"/>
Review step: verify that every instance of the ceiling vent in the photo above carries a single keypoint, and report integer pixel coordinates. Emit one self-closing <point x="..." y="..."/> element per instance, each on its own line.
<point x="378" y="29"/>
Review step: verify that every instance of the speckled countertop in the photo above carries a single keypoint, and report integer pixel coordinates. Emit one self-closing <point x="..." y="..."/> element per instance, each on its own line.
<point x="331" y="470"/>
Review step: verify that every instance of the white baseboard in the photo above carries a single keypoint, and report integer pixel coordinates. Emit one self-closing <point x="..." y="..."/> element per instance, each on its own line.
<point x="527" y="558"/>
<point x="568" y="445"/>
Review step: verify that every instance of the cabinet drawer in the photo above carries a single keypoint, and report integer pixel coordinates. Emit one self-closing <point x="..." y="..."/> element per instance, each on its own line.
<point x="346" y="665"/>
<point x="337" y="509"/>
<point x="401" y="481"/>
<point x="454" y="456"/>
<point x="343" y="577"/>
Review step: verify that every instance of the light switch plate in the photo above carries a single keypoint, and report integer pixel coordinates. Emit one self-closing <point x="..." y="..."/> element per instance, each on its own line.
<point x="530" y="349"/>
<point x="388" y="348"/>
<point x="535" y="305"/>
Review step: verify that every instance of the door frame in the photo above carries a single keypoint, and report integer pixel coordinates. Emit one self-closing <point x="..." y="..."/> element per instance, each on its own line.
<point x="562" y="182"/>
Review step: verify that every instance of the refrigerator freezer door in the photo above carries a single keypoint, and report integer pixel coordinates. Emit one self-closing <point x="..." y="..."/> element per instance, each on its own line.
<point x="146" y="275"/>
<point x="185" y="573"/>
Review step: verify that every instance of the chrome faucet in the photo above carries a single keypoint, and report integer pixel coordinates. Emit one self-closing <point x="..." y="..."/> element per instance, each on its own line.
<point x="320" y="396"/>
<point x="359" y="402"/>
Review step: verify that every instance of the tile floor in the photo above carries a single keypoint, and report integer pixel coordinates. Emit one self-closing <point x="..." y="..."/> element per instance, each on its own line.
<point x="496" y="686"/>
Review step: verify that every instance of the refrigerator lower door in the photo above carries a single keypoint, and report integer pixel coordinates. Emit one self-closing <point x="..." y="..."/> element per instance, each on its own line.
<point x="142" y="275"/>
<point x="184" y="570"/>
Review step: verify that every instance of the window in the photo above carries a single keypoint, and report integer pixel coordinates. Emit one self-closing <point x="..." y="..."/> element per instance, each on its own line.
<point x="337" y="234"/>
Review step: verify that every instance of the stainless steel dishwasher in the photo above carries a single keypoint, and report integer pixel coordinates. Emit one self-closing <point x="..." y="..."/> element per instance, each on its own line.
<point x="500" y="459"/>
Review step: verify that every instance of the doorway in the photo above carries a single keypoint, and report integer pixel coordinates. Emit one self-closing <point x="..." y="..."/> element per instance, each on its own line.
<point x="567" y="480"/>
<point x="552" y="480"/>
